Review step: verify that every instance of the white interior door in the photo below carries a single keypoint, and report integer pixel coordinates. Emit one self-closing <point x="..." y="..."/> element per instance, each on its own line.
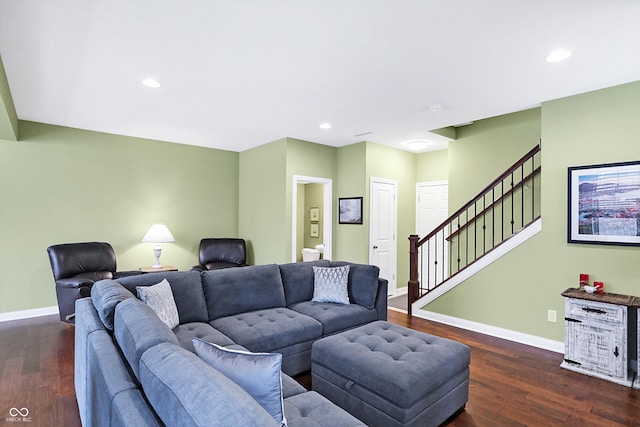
<point x="382" y="236"/>
<point x="432" y="208"/>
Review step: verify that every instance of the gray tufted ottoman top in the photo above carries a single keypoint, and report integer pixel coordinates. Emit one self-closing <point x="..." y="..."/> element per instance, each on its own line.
<point x="398" y="363"/>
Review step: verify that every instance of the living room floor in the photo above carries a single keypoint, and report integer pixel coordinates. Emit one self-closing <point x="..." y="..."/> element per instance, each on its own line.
<point x="511" y="384"/>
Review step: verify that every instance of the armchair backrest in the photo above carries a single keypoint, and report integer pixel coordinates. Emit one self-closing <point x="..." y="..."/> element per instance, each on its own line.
<point x="72" y="259"/>
<point x="223" y="250"/>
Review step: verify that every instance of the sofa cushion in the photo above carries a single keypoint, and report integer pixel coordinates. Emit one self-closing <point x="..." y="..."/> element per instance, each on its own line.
<point x="186" y="392"/>
<point x="336" y="317"/>
<point x="240" y="290"/>
<point x="186" y="287"/>
<point x="269" y="330"/>
<point x="363" y="283"/>
<point x="330" y="284"/>
<point x="187" y="332"/>
<point x="138" y="328"/>
<point x="160" y="298"/>
<point x="297" y="278"/>
<point x="105" y="295"/>
<point x="312" y="409"/>
<point x="257" y="373"/>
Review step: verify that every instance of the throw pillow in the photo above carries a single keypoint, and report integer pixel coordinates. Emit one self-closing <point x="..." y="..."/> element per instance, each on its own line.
<point x="257" y="373"/>
<point x="160" y="298"/>
<point x="330" y="284"/>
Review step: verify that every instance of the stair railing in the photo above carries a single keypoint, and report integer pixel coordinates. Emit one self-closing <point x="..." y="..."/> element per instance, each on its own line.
<point x="503" y="208"/>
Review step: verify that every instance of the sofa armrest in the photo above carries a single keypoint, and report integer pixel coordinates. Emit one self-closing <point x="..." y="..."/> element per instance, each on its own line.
<point x="199" y="268"/>
<point x="120" y="274"/>
<point x="381" y="299"/>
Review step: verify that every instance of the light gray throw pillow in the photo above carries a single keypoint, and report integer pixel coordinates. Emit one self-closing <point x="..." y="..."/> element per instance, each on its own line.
<point x="257" y="373"/>
<point x="160" y="299"/>
<point x="330" y="284"/>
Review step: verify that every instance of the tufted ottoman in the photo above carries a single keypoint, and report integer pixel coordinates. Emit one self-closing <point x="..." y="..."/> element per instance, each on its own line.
<point x="388" y="375"/>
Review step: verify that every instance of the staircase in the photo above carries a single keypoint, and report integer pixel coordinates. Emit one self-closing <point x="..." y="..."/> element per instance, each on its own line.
<point x="494" y="220"/>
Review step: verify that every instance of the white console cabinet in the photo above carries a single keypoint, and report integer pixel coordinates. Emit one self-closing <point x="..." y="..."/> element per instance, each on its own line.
<point x="601" y="335"/>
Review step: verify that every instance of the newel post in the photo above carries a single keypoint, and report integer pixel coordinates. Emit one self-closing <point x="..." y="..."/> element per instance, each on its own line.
<point x="413" y="270"/>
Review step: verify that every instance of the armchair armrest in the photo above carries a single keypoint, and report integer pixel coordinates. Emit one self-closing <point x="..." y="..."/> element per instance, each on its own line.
<point x="74" y="282"/>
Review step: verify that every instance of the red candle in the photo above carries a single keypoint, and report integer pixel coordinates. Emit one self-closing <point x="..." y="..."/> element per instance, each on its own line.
<point x="599" y="287"/>
<point x="584" y="279"/>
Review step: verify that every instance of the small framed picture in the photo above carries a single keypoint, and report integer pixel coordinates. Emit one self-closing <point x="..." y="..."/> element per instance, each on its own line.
<point x="314" y="214"/>
<point x="313" y="232"/>
<point x="350" y="210"/>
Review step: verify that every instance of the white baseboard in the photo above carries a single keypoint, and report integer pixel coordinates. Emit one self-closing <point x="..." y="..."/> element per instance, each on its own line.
<point x="25" y="314"/>
<point x="494" y="331"/>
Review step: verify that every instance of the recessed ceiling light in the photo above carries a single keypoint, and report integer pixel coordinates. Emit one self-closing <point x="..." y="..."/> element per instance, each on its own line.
<point x="151" y="83"/>
<point x="435" y="107"/>
<point x="325" y="126"/>
<point x="558" y="55"/>
<point x="417" y="144"/>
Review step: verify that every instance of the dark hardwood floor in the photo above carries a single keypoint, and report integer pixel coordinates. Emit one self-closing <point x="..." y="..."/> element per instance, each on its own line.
<point x="511" y="384"/>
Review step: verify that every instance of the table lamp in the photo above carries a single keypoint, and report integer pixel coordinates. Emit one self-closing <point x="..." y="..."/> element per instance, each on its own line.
<point x="158" y="233"/>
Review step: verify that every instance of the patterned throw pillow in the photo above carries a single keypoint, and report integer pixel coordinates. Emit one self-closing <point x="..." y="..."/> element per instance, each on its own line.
<point x="330" y="284"/>
<point x="257" y="373"/>
<point x="160" y="298"/>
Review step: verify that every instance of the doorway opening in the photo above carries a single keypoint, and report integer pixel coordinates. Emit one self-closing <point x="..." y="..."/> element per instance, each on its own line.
<point x="304" y="222"/>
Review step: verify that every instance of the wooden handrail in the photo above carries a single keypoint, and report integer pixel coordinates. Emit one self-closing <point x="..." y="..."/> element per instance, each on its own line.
<point x="481" y="194"/>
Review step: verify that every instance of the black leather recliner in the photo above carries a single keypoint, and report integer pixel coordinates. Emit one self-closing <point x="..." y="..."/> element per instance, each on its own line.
<point x="221" y="253"/>
<point x="76" y="266"/>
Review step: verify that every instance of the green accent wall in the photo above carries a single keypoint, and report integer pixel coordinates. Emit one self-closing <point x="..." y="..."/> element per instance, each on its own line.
<point x="432" y="166"/>
<point x="516" y="291"/>
<point x="262" y="203"/>
<point x="8" y="116"/>
<point x="60" y="185"/>
<point x="398" y="165"/>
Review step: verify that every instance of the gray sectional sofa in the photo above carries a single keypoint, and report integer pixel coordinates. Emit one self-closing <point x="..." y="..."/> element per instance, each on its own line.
<point x="131" y="369"/>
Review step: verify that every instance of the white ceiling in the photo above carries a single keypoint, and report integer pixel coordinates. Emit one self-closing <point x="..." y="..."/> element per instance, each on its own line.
<point x="241" y="73"/>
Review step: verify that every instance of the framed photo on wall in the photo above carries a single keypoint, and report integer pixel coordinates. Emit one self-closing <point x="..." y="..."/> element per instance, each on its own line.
<point x="604" y="204"/>
<point x="314" y="214"/>
<point x="314" y="231"/>
<point x="350" y="210"/>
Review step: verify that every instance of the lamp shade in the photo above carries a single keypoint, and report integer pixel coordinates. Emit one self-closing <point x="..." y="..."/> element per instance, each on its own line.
<point x="158" y="233"/>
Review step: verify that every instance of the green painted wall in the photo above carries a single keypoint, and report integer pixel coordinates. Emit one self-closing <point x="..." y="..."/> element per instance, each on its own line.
<point x="487" y="148"/>
<point x="62" y="185"/>
<point x="516" y="291"/>
<point x="351" y="241"/>
<point x="262" y="203"/>
<point x="8" y="116"/>
<point x="313" y="194"/>
<point x="432" y="166"/>
<point x="398" y="165"/>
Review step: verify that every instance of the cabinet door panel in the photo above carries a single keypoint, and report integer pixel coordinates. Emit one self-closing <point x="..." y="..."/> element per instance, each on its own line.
<point x="599" y="348"/>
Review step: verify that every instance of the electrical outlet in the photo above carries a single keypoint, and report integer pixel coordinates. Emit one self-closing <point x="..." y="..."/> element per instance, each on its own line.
<point x="552" y="316"/>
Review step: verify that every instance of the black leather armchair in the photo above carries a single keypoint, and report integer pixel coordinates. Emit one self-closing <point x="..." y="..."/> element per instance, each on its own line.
<point x="76" y="266"/>
<point x="221" y="253"/>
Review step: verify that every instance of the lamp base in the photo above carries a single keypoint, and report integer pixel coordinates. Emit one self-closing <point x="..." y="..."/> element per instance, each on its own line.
<point x="157" y="251"/>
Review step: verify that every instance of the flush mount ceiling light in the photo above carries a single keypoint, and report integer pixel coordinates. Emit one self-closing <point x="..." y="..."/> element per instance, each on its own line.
<point x="153" y="83"/>
<point x="435" y="108"/>
<point x="417" y="144"/>
<point x="325" y="126"/>
<point x="558" y="55"/>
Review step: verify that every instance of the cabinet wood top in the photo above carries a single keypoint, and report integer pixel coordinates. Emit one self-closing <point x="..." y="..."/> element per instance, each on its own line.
<point x="626" y="300"/>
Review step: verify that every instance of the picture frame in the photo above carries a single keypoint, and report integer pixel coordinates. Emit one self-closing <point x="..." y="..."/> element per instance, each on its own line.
<point x="314" y="214"/>
<point x="604" y="204"/>
<point x="314" y="230"/>
<point x="350" y="210"/>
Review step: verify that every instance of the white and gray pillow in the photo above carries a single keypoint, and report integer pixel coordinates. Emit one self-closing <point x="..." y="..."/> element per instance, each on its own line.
<point x="159" y="298"/>
<point x="330" y="284"/>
